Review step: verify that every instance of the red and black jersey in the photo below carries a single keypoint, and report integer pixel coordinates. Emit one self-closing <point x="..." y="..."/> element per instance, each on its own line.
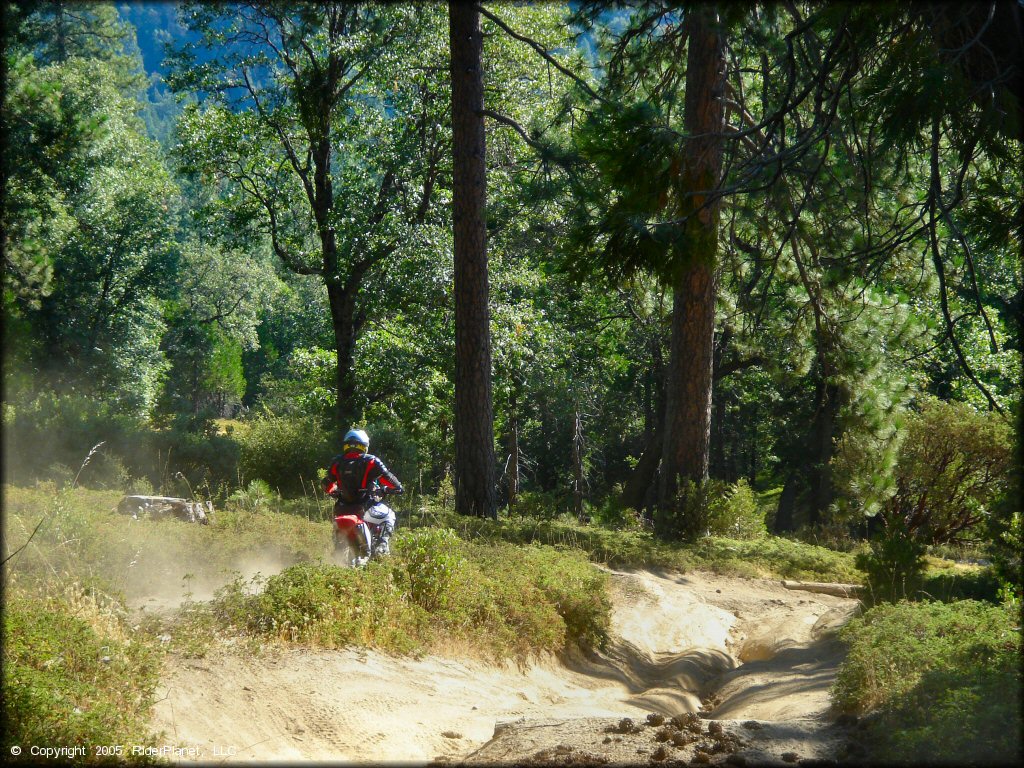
<point x="354" y="474"/>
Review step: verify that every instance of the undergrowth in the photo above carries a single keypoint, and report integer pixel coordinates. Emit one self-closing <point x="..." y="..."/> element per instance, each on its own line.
<point x="435" y="589"/>
<point x="768" y="557"/>
<point x="943" y="682"/>
<point x="75" y="676"/>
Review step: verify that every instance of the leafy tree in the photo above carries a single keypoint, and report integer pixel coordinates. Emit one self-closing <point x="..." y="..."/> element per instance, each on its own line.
<point x="212" y="319"/>
<point x="89" y="233"/>
<point x="317" y="141"/>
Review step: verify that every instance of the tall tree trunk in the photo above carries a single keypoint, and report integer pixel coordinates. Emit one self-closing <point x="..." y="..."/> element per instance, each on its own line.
<point x="634" y="492"/>
<point x="474" y="417"/>
<point x="718" y="461"/>
<point x="637" y="491"/>
<point x="343" y="321"/>
<point x="828" y="401"/>
<point x="688" y="402"/>
<point x="751" y="422"/>
<point x="512" y="470"/>
<point x="577" y="466"/>
<point x="61" y="28"/>
<point x="787" y="501"/>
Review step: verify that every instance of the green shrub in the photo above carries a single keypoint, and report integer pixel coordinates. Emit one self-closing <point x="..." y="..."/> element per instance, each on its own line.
<point x="286" y="453"/>
<point x="952" y="472"/>
<point x="611" y="513"/>
<point x="577" y="590"/>
<point x="769" y="557"/>
<point x="67" y="683"/>
<point x="55" y="430"/>
<point x="256" y="496"/>
<point x="688" y="518"/>
<point x="894" y="565"/>
<point x="979" y="584"/>
<point x="431" y="564"/>
<point x="775" y="557"/>
<point x="326" y="606"/>
<point x="943" y="678"/>
<point x="734" y="512"/>
<point x="434" y="590"/>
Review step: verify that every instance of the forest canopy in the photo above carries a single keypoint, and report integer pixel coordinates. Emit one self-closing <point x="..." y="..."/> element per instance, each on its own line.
<point x="769" y="243"/>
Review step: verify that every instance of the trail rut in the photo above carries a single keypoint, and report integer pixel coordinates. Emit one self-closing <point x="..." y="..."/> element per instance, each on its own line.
<point x="759" y="658"/>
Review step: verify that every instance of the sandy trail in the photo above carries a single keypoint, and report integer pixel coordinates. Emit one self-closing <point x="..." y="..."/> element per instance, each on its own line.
<point x="749" y="648"/>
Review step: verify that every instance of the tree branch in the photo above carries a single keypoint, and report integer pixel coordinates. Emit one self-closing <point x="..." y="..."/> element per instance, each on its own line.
<point x="543" y="52"/>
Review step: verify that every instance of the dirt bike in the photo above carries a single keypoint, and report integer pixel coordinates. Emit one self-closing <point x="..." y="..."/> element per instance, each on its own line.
<point x="356" y="539"/>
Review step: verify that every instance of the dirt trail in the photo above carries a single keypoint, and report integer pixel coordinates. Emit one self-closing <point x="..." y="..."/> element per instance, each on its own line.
<point x="758" y="656"/>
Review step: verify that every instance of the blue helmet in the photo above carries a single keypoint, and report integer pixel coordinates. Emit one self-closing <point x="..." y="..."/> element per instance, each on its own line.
<point x="356" y="440"/>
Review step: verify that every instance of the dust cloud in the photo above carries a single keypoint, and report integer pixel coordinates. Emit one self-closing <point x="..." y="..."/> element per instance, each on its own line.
<point x="165" y="584"/>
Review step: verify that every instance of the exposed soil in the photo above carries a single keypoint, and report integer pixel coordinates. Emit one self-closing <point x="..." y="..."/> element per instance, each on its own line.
<point x="742" y="665"/>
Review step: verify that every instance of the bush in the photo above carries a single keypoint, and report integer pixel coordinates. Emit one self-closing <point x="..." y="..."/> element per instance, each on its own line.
<point x="69" y="681"/>
<point x="734" y="512"/>
<point x="689" y="517"/>
<point x="431" y="562"/>
<point x="894" y="565"/>
<point x="325" y="606"/>
<point x="434" y="589"/>
<point x="953" y="469"/>
<point x="62" y="430"/>
<point x="944" y="680"/>
<point x="286" y="453"/>
<point x="611" y="513"/>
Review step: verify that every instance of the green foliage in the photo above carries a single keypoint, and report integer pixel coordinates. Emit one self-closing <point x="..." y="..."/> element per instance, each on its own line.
<point x="1007" y="544"/>
<point x="432" y="564"/>
<point x="776" y="557"/>
<point x="323" y="605"/>
<point x="255" y="497"/>
<point x="688" y="517"/>
<point x="769" y="557"/>
<point x="953" y="469"/>
<point x="74" y="676"/>
<point x="712" y="508"/>
<point x="433" y="591"/>
<point x="895" y="564"/>
<point x="982" y="584"/>
<point x="284" y="452"/>
<point x="612" y="514"/>
<point x="734" y="512"/>
<point x="52" y="430"/>
<point x="944" y="679"/>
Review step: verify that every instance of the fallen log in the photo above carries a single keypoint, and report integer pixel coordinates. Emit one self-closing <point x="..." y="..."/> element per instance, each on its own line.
<point x="159" y="506"/>
<point x="825" y="588"/>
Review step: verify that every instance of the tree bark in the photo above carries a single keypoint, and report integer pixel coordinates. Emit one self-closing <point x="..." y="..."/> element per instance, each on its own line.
<point x="828" y="401"/>
<point x="787" y="501"/>
<point x="577" y="466"/>
<point x="474" y="416"/>
<point x="638" y="488"/>
<point x="343" y="321"/>
<point x="512" y="470"/>
<point x="634" y="492"/>
<point x="688" y="404"/>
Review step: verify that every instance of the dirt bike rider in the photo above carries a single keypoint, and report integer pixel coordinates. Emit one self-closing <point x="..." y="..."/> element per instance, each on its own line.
<point x="352" y="478"/>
